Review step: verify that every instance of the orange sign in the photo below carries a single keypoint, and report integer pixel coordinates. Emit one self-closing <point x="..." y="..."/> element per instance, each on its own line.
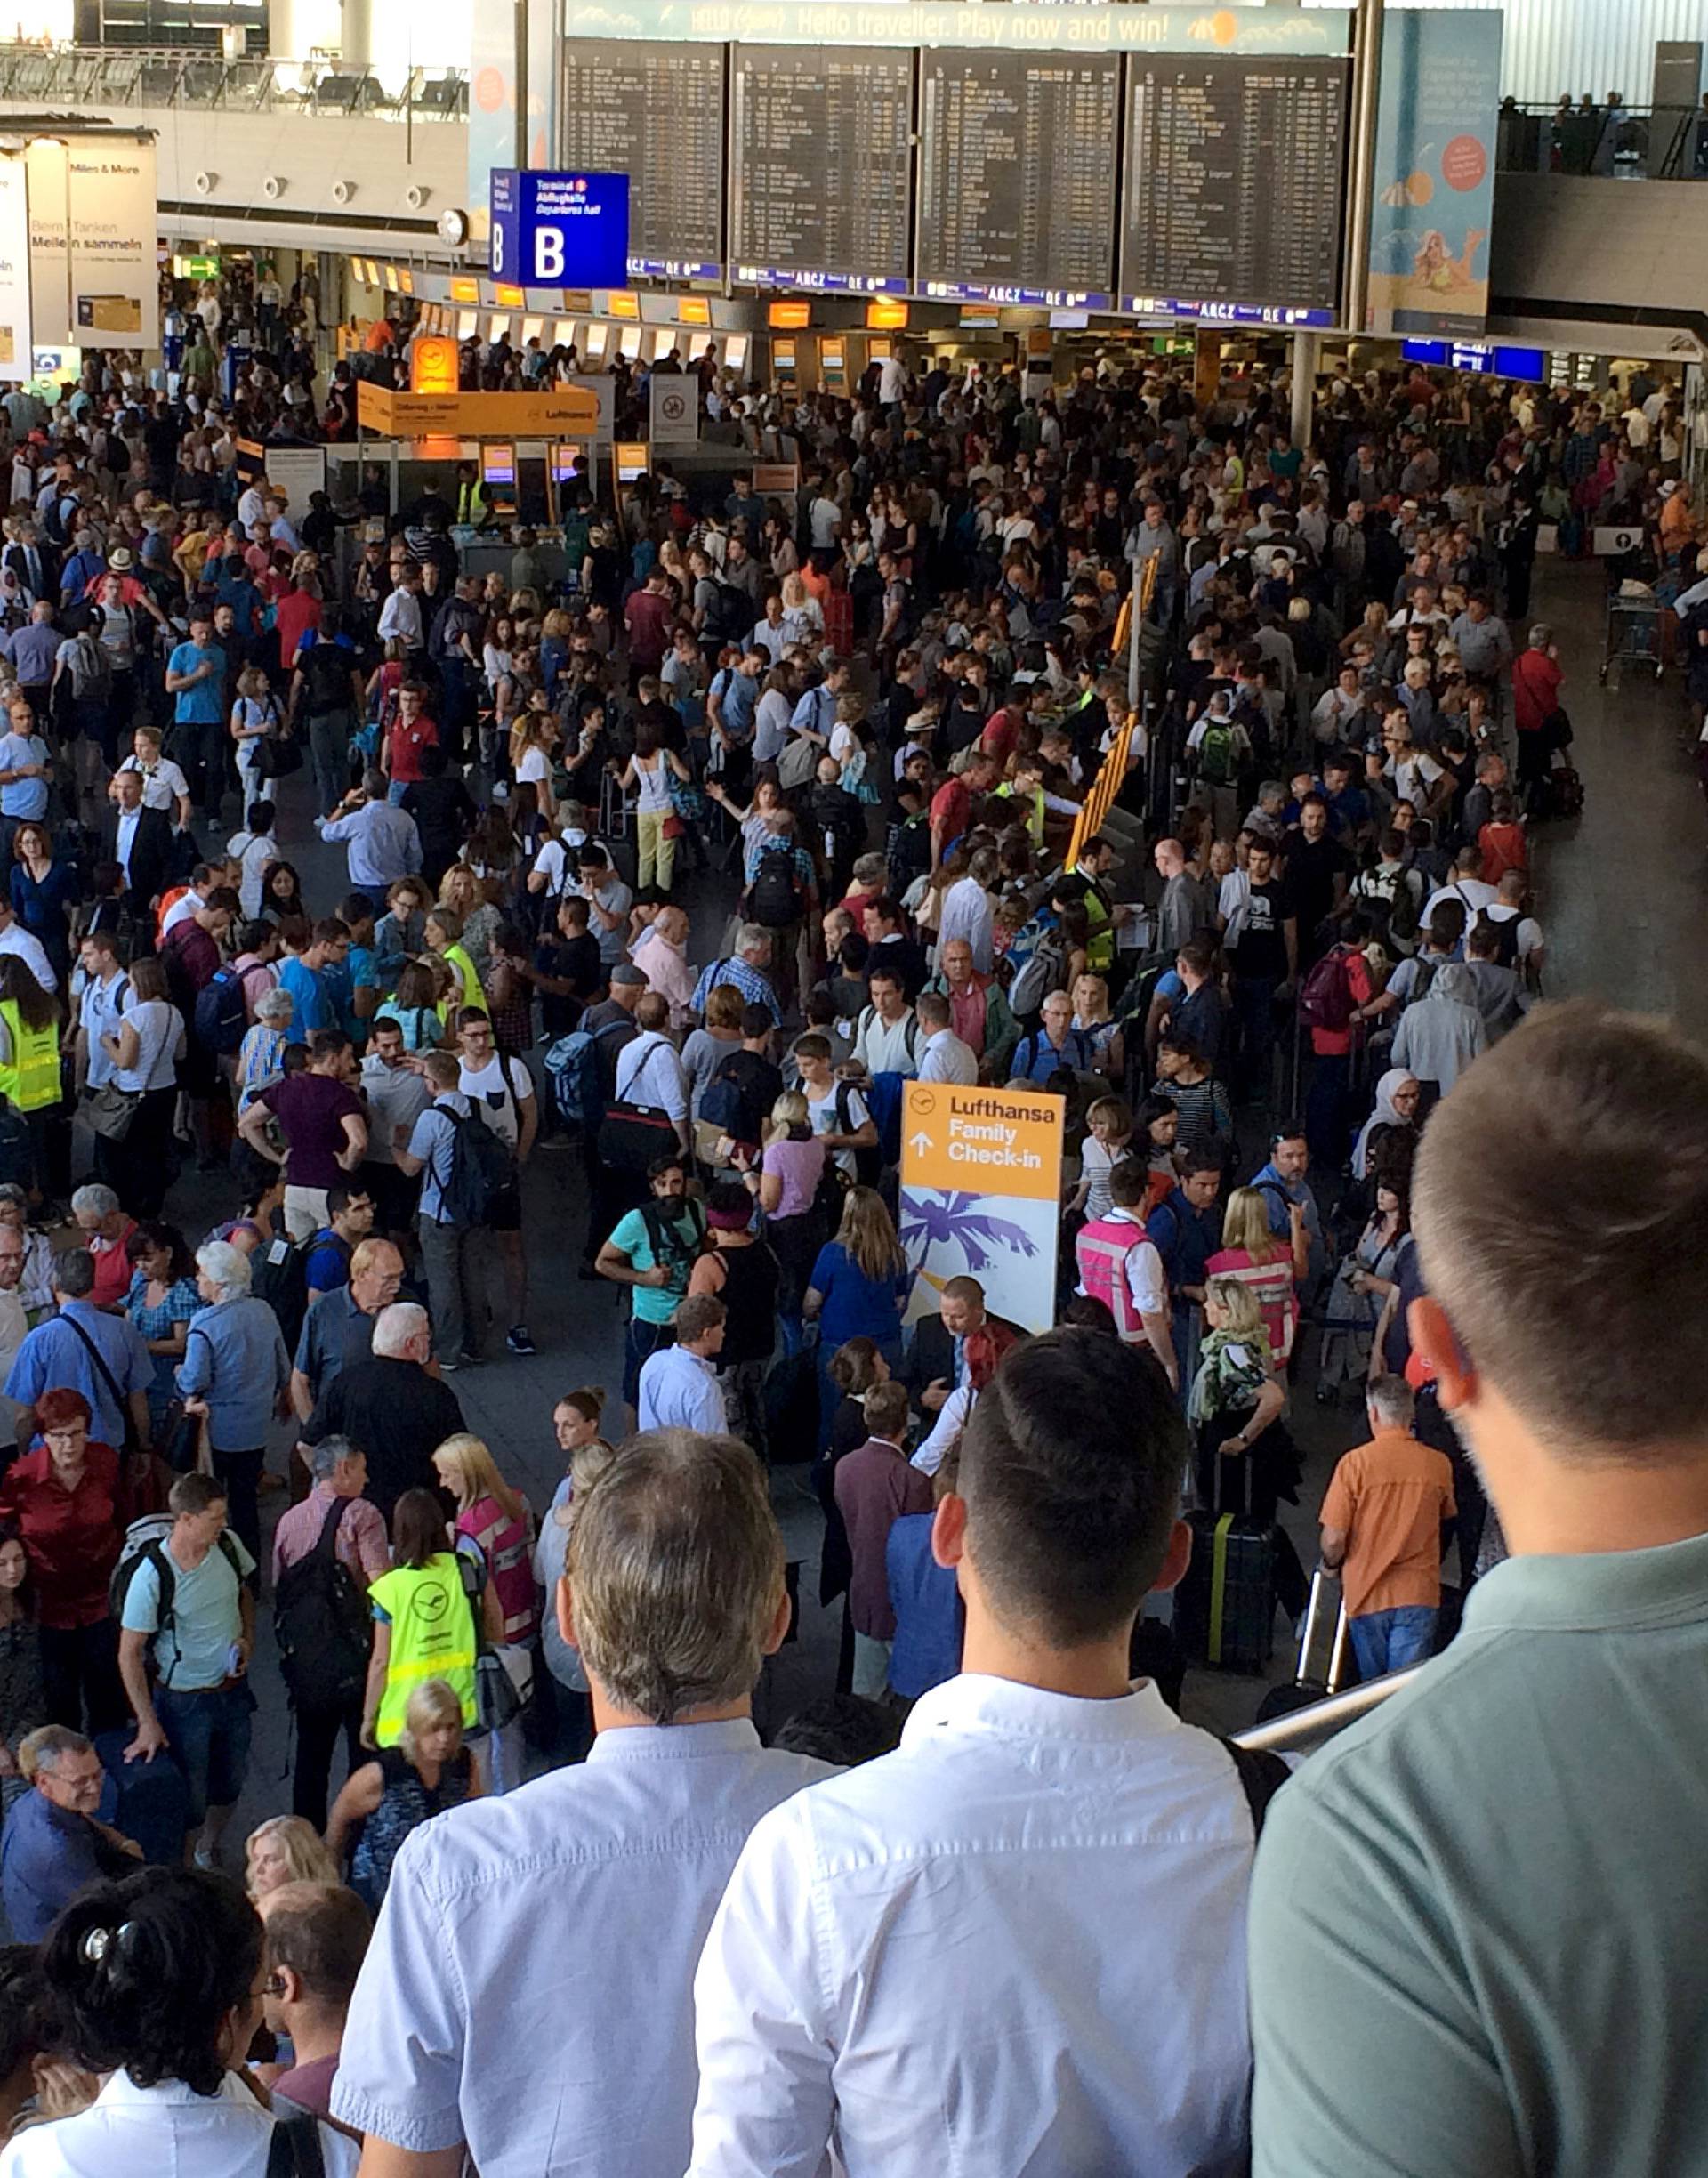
<point x="621" y="303"/>
<point x="433" y="365"/>
<point x="886" y="316"/>
<point x="982" y="1142"/>
<point x="789" y="317"/>
<point x="464" y="290"/>
<point x="693" y="309"/>
<point x="477" y="416"/>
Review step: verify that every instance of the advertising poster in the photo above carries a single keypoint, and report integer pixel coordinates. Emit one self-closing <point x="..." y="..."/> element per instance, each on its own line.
<point x="15" y="365"/>
<point x="493" y="117"/>
<point x="981" y="1196"/>
<point x="46" y="167"/>
<point x="114" y="287"/>
<point x="1434" y="192"/>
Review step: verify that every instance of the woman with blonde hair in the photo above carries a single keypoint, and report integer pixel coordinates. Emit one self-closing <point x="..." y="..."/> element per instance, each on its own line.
<point x="256" y="718"/>
<point x="1270" y="1266"/>
<point x="444" y="935"/>
<point x="495" y="1524"/>
<point x="428" y="1769"/>
<point x="783" y="1181"/>
<point x="803" y="616"/>
<point x="1246" y="1460"/>
<point x="858" y="1289"/>
<point x="533" y="740"/>
<point x="286" y="1849"/>
<point x="589" y="1455"/>
<point x="462" y="890"/>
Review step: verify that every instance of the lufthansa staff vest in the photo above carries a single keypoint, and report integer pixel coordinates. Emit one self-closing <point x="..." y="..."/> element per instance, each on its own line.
<point x="433" y="1637"/>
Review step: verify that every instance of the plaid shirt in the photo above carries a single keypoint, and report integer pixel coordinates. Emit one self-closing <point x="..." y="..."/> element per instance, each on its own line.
<point x="753" y="983"/>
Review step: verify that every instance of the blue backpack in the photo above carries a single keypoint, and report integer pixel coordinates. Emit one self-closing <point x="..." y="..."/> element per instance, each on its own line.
<point x="572" y="1066"/>
<point x="219" y="1018"/>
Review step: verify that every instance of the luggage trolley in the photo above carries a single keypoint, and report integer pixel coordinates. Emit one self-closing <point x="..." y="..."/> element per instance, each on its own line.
<point x="1633" y="628"/>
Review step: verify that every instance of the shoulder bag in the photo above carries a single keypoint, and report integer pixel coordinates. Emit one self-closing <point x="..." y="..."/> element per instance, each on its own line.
<point x="631" y="1135"/>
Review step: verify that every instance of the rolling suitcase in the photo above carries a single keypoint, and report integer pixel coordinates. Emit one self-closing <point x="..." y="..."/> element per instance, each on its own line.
<point x="1324" y="1662"/>
<point x="1224" y="1609"/>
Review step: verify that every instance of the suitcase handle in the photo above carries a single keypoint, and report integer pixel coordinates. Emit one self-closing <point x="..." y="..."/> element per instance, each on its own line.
<point x="1215" y="1483"/>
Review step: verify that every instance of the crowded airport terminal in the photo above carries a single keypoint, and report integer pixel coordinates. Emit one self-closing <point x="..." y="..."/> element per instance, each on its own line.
<point x="851" y="1111"/>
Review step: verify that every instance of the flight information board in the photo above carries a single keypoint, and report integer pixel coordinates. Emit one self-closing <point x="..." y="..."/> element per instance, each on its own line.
<point x="653" y="111"/>
<point x="1235" y="179"/>
<point x="1017" y="189"/>
<point x="821" y="192"/>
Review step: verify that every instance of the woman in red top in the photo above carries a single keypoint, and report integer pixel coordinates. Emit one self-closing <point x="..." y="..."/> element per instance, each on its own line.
<point x="1270" y="1266"/>
<point x="67" y="1498"/>
<point x="106" y="1232"/>
<point x="1501" y="840"/>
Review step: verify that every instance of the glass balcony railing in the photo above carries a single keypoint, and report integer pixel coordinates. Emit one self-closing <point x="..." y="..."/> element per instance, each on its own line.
<point x="1620" y="143"/>
<point x="76" y="75"/>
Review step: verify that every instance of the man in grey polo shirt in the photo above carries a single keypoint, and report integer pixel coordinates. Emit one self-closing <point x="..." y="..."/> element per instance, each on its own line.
<point x="529" y="1991"/>
<point x="1477" y="1921"/>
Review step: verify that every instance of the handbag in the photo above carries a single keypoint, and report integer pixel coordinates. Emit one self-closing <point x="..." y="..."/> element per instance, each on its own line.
<point x="279" y="756"/>
<point x="132" y="1446"/>
<point x="110" y="1110"/>
<point x="798" y="766"/>
<point x="497" y="1702"/>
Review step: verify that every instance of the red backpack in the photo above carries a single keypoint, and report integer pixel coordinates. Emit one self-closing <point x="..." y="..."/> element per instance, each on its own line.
<point x="1327" y="1000"/>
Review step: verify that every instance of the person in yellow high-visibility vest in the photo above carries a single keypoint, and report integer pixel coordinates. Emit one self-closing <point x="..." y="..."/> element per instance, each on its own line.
<point x="29" y="1065"/>
<point x="423" y="1621"/>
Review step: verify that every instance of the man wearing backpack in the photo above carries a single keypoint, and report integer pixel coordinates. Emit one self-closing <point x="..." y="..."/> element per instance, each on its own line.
<point x="185" y="1593"/>
<point x="334" y="1527"/>
<point x="500" y="1091"/>
<point x="653" y="1251"/>
<point x="1332" y="1003"/>
<point x="455" y="1250"/>
<point x="327" y="687"/>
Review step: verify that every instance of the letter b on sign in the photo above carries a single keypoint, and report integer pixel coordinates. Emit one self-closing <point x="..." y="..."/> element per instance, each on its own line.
<point x="548" y="254"/>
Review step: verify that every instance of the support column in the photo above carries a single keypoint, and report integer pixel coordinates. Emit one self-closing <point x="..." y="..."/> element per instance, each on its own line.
<point x="1307" y="348"/>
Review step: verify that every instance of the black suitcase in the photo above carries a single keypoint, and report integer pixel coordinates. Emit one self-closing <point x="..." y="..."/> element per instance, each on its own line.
<point x="1324" y="1662"/>
<point x="1224" y="1609"/>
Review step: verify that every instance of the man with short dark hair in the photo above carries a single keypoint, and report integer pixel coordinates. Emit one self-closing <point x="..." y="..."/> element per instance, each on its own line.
<point x="1453" y="1904"/>
<point x="317" y="1938"/>
<point x="478" y="2027"/>
<point x="1039" y="1810"/>
<point x="454" y="1254"/>
<point x="324" y="1125"/>
<point x="652" y="1250"/>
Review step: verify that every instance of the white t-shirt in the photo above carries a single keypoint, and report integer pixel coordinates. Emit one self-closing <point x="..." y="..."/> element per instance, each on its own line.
<point x="824" y="1118"/>
<point x="1472" y="894"/>
<point x="533" y="767"/>
<point x="255" y="851"/>
<point x="485" y="1090"/>
<point x="1144" y="1268"/>
<point x="180" y="909"/>
<point x="162" y="786"/>
<point x="1529" y="929"/>
<point x="1413" y="775"/>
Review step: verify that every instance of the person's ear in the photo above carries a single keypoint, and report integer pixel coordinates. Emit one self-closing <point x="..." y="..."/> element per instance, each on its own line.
<point x="566" y="1612"/>
<point x="1434" y="1338"/>
<point x="1175" y="1560"/>
<point x="949" y="1531"/>
<point x="782" y="1618"/>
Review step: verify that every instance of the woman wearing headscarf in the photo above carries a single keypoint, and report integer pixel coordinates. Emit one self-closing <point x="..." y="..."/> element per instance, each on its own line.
<point x="1388" y="1136"/>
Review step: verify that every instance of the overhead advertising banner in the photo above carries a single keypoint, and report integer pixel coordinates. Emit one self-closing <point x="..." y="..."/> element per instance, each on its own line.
<point x="559" y="230"/>
<point x="114" y="285"/>
<point x="46" y="172"/>
<point x="1434" y="187"/>
<point x="981" y="1195"/>
<point x="15" y="365"/>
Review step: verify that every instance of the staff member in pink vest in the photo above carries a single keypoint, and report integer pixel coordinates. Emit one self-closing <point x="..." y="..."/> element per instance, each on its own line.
<point x="1119" y="1266"/>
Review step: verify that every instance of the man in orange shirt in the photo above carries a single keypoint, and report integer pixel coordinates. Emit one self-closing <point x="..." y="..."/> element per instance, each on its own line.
<point x="1382" y="1528"/>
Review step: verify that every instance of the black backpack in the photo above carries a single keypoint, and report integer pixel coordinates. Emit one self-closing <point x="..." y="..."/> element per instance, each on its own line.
<point x="482" y="1166"/>
<point x="776" y="901"/>
<point x="729" y="1103"/>
<point x="733" y="612"/>
<point x="323" y="1623"/>
<point x="326" y="668"/>
<point x="220" y="1020"/>
<point x="278" y="1275"/>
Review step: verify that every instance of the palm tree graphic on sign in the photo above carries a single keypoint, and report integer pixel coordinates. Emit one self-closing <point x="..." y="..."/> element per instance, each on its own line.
<point x="936" y="1216"/>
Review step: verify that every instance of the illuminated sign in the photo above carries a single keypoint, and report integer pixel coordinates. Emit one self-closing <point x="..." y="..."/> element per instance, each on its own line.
<point x="1530" y="364"/>
<point x="463" y="289"/>
<point x="1223" y="313"/>
<point x="433" y="365"/>
<point x="559" y="230"/>
<point x="819" y="283"/>
<point x="789" y="317"/>
<point x="886" y="317"/>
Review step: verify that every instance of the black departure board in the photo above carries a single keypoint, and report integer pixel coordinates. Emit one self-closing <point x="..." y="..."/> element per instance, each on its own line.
<point x="653" y="111"/>
<point x="1234" y="184"/>
<point x="821" y="193"/>
<point x="1016" y="178"/>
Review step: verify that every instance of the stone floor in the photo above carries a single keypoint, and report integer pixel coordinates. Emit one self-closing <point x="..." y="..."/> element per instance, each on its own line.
<point x="1620" y="889"/>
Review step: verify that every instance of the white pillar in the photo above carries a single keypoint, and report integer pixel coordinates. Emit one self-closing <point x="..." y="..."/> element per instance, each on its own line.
<point x="1306" y="348"/>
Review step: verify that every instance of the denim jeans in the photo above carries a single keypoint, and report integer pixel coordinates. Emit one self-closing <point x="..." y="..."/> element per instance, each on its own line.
<point x="1391" y="1640"/>
<point x="207" y="1729"/>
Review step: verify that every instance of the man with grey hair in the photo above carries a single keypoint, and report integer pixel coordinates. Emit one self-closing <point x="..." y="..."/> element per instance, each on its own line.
<point x="475" y="2025"/>
<point x="235" y="1374"/>
<point x="335" y="1507"/>
<point x="747" y="969"/>
<point x="1385" y="1523"/>
<point x="83" y="1349"/>
<point x="389" y="1408"/>
<point x="52" y="1843"/>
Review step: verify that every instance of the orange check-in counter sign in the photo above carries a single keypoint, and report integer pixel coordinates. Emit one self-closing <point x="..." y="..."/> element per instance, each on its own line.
<point x="982" y="1142"/>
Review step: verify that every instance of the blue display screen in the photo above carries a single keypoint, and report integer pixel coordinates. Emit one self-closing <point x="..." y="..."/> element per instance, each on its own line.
<point x="559" y="230"/>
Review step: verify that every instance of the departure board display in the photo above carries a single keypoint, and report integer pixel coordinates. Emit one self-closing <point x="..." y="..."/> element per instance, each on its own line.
<point x="1234" y="176"/>
<point x="820" y="186"/>
<point x="653" y="111"/>
<point x="1016" y="188"/>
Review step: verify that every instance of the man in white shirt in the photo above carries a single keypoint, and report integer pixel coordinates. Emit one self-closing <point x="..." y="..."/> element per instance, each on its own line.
<point x="163" y="784"/>
<point x="400" y="614"/>
<point x="650" y="1070"/>
<point x="679" y="1384"/>
<point x="1465" y="886"/>
<point x="1508" y="905"/>
<point x="527" y="1993"/>
<point x="502" y="1091"/>
<point x="382" y="843"/>
<point x="1015" y="1944"/>
<point x="661" y="955"/>
<point x="892" y="381"/>
<point x="253" y="848"/>
<point x="887" y="1041"/>
<point x="101" y="1006"/>
<point x="15" y="939"/>
<point x="943" y="1057"/>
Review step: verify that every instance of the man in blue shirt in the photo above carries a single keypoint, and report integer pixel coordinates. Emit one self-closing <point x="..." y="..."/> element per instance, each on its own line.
<point x="196" y="680"/>
<point x="34" y="650"/>
<point x="1284" y="1187"/>
<point x="305" y="975"/>
<point x="83" y="1349"/>
<point x="24" y="767"/>
<point x="52" y="1842"/>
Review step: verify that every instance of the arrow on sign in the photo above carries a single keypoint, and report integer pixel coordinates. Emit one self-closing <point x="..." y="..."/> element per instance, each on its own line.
<point x="922" y="1142"/>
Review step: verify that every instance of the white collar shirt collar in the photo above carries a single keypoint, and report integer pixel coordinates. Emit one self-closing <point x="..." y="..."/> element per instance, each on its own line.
<point x="964" y="1943"/>
<point x="168" y="2128"/>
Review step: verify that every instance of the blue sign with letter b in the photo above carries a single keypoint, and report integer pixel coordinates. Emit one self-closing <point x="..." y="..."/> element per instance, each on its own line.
<point x="559" y="230"/>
